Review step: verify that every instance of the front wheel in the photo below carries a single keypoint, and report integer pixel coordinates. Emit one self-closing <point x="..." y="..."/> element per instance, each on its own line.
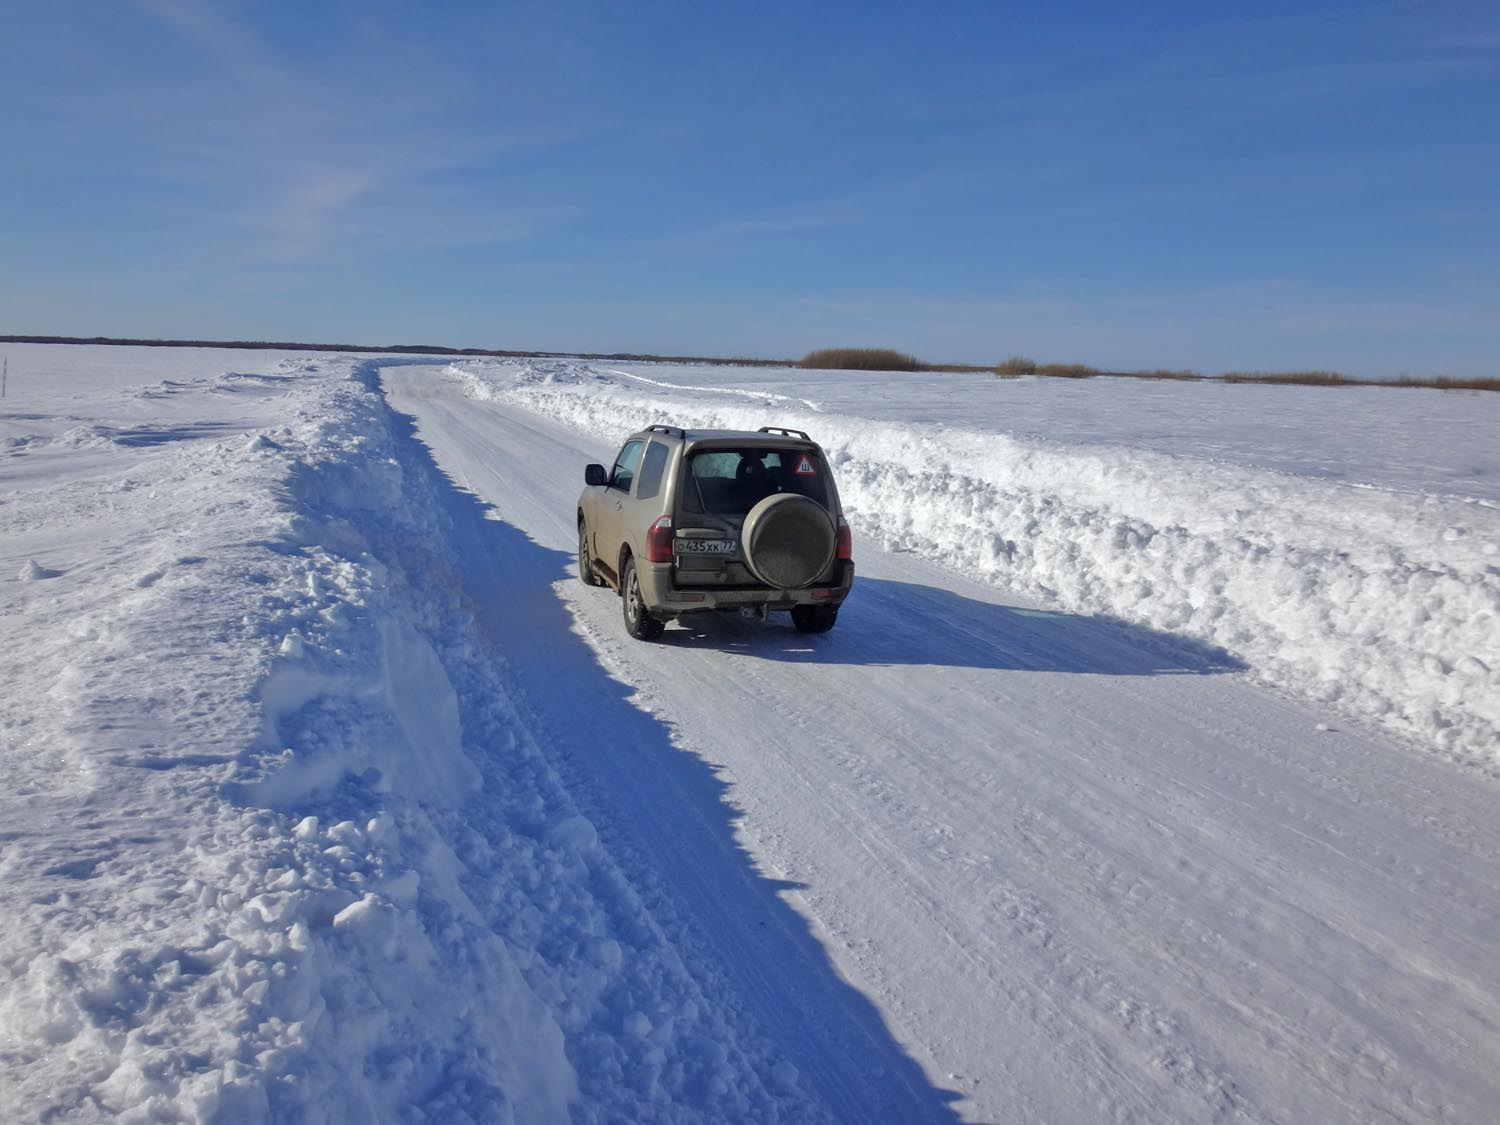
<point x="638" y="621"/>
<point x="814" y="618"/>
<point x="586" y="558"/>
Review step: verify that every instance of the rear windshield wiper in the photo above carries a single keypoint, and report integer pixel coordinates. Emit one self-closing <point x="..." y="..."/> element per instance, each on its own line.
<point x="702" y="503"/>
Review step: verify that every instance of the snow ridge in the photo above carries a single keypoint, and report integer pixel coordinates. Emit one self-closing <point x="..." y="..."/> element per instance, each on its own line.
<point x="1383" y="606"/>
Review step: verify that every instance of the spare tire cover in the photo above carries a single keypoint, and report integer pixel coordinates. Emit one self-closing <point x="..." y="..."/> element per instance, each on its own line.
<point x="788" y="540"/>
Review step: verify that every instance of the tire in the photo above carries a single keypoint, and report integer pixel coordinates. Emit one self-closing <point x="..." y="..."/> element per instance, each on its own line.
<point x="638" y="621"/>
<point x="814" y="618"/>
<point x="586" y="558"/>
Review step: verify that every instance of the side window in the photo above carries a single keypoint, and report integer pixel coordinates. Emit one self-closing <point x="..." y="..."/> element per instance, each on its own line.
<point x="648" y="487"/>
<point x="625" y="465"/>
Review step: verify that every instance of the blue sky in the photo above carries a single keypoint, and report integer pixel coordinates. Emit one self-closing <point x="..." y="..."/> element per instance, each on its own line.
<point x="1160" y="184"/>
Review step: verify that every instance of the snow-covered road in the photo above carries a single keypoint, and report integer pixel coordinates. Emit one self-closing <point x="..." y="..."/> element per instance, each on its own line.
<point x="1072" y="869"/>
<point x="329" y="793"/>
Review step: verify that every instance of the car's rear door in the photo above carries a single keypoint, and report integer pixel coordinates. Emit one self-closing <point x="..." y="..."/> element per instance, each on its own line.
<point x="715" y="492"/>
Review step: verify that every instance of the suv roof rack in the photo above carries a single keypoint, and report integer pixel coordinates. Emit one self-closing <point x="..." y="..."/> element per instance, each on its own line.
<point x="659" y="428"/>
<point x="783" y="430"/>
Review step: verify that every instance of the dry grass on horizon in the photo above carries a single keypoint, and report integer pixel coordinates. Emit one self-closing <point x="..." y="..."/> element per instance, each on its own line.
<point x="1303" y="378"/>
<point x="1019" y="366"/>
<point x="861" y="359"/>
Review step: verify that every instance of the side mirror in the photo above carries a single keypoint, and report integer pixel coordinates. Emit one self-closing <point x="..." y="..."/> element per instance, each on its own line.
<point x="595" y="474"/>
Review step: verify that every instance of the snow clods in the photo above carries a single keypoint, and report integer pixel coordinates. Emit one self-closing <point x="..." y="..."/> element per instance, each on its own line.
<point x="278" y="844"/>
<point x="33" y="571"/>
<point x="1382" y="605"/>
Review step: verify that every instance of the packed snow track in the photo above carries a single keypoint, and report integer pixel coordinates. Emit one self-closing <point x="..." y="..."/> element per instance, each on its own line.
<point x="1075" y="870"/>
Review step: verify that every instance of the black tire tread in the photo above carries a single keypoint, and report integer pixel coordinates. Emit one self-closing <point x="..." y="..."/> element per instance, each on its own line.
<point x="645" y="627"/>
<point x="586" y="570"/>
<point x="814" y="618"/>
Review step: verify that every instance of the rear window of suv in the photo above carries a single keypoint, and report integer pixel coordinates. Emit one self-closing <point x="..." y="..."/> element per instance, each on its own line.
<point x="729" y="482"/>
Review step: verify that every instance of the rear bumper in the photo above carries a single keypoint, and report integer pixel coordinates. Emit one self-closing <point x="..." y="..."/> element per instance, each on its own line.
<point x="665" y="599"/>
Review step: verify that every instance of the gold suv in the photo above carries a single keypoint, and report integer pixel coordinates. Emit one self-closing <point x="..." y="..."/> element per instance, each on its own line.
<point x="693" y="520"/>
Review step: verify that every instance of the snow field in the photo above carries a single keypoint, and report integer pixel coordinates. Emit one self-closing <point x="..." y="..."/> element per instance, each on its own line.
<point x="1410" y="440"/>
<point x="1383" y="605"/>
<point x="277" y="843"/>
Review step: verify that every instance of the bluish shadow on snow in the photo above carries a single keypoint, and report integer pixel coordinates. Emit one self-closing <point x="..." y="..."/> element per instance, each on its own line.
<point x="668" y="868"/>
<point x="889" y="623"/>
<point x="149" y="435"/>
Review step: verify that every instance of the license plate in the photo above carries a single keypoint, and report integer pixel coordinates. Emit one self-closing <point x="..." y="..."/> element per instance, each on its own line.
<point x="705" y="546"/>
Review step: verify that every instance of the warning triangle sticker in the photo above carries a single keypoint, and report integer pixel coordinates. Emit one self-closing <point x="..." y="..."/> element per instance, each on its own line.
<point x="805" y="467"/>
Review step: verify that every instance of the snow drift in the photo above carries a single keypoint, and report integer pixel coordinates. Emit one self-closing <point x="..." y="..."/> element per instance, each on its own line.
<point x="1385" y="606"/>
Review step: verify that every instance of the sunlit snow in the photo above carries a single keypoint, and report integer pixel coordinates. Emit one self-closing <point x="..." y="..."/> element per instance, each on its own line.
<point x="1149" y="774"/>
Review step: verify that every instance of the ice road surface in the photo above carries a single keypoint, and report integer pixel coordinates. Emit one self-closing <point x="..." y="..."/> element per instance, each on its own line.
<point x="330" y="794"/>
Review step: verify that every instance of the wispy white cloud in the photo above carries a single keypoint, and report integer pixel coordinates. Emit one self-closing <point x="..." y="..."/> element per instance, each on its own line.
<point x="300" y="217"/>
<point x="212" y="30"/>
<point x="304" y="159"/>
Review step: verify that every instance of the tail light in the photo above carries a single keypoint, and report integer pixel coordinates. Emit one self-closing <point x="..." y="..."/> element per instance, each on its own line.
<point x="845" y="542"/>
<point x="659" y="540"/>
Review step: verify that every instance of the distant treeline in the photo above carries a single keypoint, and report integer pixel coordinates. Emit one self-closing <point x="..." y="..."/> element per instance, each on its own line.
<point x="1019" y="367"/>
<point x="398" y="349"/>
<point x="869" y="359"/>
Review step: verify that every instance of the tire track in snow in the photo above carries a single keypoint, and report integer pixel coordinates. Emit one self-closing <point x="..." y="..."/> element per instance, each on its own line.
<point x="758" y="396"/>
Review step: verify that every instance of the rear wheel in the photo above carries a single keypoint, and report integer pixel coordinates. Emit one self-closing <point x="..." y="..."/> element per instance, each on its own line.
<point x="638" y="621"/>
<point x="814" y="618"/>
<point x="586" y="558"/>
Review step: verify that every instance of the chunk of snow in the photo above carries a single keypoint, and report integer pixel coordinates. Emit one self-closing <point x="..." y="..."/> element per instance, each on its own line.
<point x="33" y="571"/>
<point x="574" y="833"/>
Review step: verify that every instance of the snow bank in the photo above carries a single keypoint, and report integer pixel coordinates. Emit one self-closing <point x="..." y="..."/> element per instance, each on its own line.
<point x="278" y="845"/>
<point x="1383" y="605"/>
